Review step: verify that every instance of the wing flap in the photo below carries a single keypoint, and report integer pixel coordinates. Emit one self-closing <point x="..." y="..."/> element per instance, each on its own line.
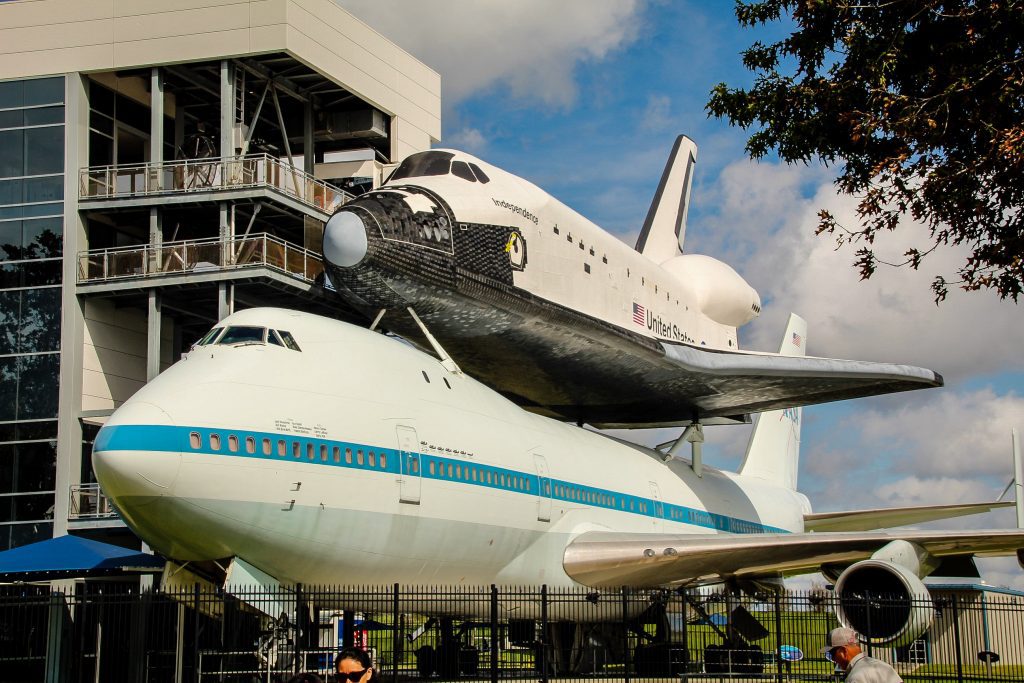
<point x="608" y="559"/>
<point x="864" y="520"/>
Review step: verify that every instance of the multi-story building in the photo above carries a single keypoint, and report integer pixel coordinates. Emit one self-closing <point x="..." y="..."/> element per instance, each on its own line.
<point x="162" y="163"/>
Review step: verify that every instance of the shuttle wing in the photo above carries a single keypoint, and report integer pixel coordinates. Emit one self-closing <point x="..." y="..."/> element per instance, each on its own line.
<point x="719" y="384"/>
<point x="608" y="559"/>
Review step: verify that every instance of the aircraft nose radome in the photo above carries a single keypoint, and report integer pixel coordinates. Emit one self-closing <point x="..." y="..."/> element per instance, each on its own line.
<point x="136" y="454"/>
<point x="345" y="239"/>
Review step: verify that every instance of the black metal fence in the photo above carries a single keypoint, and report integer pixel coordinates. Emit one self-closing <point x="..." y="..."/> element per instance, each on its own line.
<point x="112" y="632"/>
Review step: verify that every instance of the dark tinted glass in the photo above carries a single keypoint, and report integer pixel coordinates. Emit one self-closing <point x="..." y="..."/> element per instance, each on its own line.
<point x="46" y="429"/>
<point x="101" y="99"/>
<point x="424" y="164"/>
<point x="461" y="169"/>
<point x="40" y="320"/>
<point x="44" y="115"/>
<point x="8" y="465"/>
<point x="11" y="191"/>
<point x="12" y="119"/>
<point x="10" y="275"/>
<point x="10" y="239"/>
<point x="23" y="534"/>
<point x="44" y="150"/>
<point x="43" y="238"/>
<point x="37" y="386"/>
<point x="12" y="153"/>
<point x="50" y="189"/>
<point x="39" y="273"/>
<point x="31" y="507"/>
<point x="44" y="91"/>
<point x="12" y="94"/>
<point x="10" y="318"/>
<point x="8" y="388"/>
<point x="37" y="466"/>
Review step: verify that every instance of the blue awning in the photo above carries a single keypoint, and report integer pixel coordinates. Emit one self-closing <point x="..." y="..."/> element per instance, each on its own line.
<point x="72" y="557"/>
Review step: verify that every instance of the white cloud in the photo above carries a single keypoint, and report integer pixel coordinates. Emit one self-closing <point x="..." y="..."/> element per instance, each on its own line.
<point x="466" y="139"/>
<point x="531" y="47"/>
<point x="771" y="209"/>
<point x="657" y="115"/>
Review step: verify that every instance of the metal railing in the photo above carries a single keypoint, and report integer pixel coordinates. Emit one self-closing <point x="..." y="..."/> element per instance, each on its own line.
<point x="209" y="175"/>
<point x="489" y="633"/>
<point x="197" y="256"/>
<point x="89" y="502"/>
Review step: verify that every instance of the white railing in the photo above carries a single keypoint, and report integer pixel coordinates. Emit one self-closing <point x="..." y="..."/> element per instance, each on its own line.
<point x="197" y="256"/>
<point x="209" y="175"/>
<point x="89" y="502"/>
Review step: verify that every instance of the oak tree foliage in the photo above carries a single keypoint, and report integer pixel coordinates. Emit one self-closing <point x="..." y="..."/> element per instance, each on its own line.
<point x="919" y="103"/>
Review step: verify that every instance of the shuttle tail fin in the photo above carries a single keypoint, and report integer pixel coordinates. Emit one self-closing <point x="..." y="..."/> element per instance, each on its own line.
<point x="665" y="227"/>
<point x="773" y="452"/>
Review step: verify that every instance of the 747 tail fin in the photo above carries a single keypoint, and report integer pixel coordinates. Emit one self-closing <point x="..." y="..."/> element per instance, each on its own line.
<point x="773" y="452"/>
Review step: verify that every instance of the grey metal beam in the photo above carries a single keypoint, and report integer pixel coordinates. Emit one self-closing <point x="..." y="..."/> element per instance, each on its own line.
<point x="285" y="85"/>
<point x="246" y="274"/>
<point x="153" y="328"/>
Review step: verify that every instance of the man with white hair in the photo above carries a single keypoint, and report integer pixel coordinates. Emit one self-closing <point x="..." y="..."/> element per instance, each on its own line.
<point x="844" y="649"/>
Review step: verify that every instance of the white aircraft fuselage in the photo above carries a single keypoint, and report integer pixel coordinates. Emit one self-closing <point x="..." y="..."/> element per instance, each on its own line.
<point x="358" y="459"/>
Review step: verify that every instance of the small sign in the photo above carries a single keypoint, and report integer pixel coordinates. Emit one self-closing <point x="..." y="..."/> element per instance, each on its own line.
<point x="790" y="653"/>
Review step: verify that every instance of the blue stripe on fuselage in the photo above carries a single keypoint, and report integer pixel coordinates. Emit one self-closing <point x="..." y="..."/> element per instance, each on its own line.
<point x="162" y="438"/>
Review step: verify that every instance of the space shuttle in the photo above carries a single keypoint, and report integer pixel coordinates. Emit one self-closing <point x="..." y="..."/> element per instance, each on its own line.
<point x="287" y="448"/>
<point x="542" y="305"/>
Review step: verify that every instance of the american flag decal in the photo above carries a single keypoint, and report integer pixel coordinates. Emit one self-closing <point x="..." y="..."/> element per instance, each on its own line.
<point x="638" y="313"/>
<point x="797" y="339"/>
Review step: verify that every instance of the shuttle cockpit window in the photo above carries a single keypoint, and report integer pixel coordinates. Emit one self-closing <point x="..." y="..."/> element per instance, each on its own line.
<point x="209" y="336"/>
<point x="460" y="169"/>
<point x="243" y="334"/>
<point x="424" y="164"/>
<point x="480" y="175"/>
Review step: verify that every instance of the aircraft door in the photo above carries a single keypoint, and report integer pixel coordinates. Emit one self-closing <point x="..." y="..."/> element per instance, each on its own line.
<point x="409" y="459"/>
<point x="543" y="488"/>
<point x="659" y="507"/>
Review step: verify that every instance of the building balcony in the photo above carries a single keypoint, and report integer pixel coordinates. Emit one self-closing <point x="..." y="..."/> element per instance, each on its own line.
<point x="212" y="179"/>
<point x="90" y="508"/>
<point x="199" y="261"/>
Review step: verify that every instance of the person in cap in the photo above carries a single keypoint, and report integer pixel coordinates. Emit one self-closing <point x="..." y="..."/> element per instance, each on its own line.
<point x="844" y="649"/>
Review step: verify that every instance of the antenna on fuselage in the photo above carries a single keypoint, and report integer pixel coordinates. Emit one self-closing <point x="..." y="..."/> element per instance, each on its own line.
<point x="446" y="360"/>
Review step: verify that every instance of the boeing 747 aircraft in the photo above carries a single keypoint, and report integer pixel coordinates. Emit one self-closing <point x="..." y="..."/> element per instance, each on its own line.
<point x="547" y="308"/>
<point x="298" y="449"/>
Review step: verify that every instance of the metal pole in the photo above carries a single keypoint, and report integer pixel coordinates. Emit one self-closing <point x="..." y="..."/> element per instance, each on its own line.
<point x="1018" y="477"/>
<point x="778" y="638"/>
<point x="625" y="635"/>
<point x="956" y="641"/>
<point x="195" y="632"/>
<point x="544" y="633"/>
<point x="301" y="623"/>
<point x="396" y="640"/>
<point x="494" y="633"/>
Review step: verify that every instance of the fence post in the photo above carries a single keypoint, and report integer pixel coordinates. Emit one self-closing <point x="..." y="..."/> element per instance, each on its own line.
<point x="956" y="641"/>
<point x="778" y="637"/>
<point x="396" y="640"/>
<point x="195" y="632"/>
<point x="625" y="635"/>
<point x="56" y="652"/>
<point x="301" y="624"/>
<point x="494" y="633"/>
<point x="544" y="633"/>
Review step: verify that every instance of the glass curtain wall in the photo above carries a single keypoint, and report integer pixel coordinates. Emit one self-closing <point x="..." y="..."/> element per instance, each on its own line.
<point x="31" y="241"/>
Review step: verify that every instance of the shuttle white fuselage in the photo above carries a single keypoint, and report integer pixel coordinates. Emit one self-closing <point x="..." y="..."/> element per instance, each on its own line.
<point x="358" y="459"/>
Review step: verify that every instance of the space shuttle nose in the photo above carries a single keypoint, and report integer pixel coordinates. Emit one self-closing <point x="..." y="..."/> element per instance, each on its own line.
<point x="136" y="456"/>
<point x="345" y="239"/>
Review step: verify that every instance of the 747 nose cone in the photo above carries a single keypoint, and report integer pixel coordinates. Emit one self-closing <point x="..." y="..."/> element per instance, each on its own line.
<point x="345" y="239"/>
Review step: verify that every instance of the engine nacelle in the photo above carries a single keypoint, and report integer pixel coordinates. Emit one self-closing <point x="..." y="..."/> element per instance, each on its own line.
<point x="719" y="291"/>
<point x="884" y="602"/>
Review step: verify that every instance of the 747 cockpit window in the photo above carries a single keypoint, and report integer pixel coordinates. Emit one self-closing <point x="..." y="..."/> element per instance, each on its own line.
<point x="289" y="340"/>
<point x="243" y="334"/>
<point x="423" y="164"/>
<point x="209" y="336"/>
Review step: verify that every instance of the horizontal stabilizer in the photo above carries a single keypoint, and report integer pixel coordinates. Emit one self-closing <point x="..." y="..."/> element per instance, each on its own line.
<point x="606" y="559"/>
<point x="864" y="520"/>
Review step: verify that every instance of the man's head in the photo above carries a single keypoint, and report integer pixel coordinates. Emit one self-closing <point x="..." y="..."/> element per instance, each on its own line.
<point x="842" y="646"/>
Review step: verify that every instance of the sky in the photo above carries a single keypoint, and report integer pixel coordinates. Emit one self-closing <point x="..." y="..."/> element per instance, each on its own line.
<point x="585" y="98"/>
